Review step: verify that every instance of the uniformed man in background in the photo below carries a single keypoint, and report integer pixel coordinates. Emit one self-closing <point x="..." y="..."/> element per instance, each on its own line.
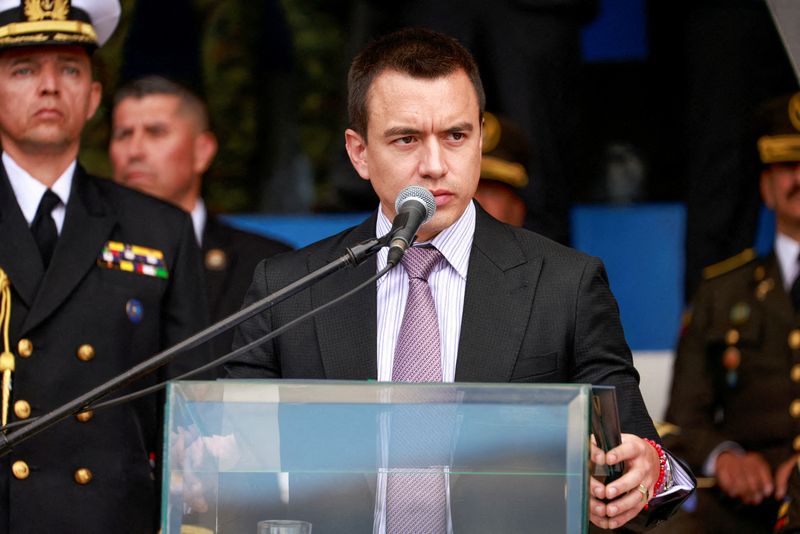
<point x="161" y="144"/>
<point x="789" y="512"/>
<point x="503" y="171"/>
<point x="100" y="277"/>
<point x="736" y="387"/>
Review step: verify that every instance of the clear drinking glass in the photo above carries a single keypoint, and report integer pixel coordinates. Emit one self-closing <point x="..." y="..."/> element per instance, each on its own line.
<point x="283" y="526"/>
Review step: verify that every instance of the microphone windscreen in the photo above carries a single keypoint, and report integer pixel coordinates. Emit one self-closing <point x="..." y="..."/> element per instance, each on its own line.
<point x="417" y="193"/>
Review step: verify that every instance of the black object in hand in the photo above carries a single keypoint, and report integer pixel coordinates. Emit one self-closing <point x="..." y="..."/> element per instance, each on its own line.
<point x="605" y="426"/>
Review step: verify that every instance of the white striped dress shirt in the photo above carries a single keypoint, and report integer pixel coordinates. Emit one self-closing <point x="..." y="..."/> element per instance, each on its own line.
<point x="448" y="282"/>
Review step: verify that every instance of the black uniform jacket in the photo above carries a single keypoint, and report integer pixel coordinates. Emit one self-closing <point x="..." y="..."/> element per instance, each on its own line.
<point x="77" y="325"/>
<point x="230" y="256"/>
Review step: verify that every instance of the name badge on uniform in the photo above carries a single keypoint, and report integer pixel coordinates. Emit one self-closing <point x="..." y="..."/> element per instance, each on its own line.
<point x="133" y="259"/>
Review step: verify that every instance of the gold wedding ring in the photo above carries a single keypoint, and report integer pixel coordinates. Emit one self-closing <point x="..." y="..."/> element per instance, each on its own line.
<point x="645" y="493"/>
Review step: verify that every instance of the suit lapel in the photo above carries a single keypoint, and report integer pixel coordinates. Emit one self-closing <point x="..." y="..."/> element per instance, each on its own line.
<point x="19" y="255"/>
<point x="501" y="283"/>
<point x="347" y="332"/>
<point x="87" y="226"/>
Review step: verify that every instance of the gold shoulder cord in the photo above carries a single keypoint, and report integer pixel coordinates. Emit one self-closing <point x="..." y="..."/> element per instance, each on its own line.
<point x="6" y="358"/>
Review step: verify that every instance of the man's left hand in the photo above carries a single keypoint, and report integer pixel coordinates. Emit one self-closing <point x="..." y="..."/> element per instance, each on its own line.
<point x="625" y="497"/>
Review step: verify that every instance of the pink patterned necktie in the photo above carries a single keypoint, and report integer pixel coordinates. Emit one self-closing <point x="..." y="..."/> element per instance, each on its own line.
<point x="418" y="354"/>
<point x="416" y="499"/>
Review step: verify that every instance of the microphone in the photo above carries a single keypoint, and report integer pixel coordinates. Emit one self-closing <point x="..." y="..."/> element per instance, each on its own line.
<point x="415" y="206"/>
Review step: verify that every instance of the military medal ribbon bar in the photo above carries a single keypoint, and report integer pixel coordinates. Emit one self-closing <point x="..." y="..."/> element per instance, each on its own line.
<point x="133" y="259"/>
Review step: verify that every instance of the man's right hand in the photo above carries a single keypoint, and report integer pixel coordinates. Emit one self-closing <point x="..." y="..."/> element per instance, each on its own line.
<point x="782" y="474"/>
<point x="746" y="476"/>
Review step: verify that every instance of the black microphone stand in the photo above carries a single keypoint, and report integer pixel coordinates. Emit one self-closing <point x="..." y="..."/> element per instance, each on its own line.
<point x="353" y="257"/>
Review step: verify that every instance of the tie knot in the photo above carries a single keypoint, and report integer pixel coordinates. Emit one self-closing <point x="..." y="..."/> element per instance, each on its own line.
<point x="420" y="261"/>
<point x="49" y="201"/>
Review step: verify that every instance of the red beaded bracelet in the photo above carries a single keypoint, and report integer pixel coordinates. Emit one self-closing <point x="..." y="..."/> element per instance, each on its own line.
<point x="662" y="462"/>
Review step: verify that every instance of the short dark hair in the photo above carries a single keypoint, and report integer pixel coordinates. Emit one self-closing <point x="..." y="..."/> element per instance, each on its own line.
<point x="159" y="85"/>
<point x="417" y="52"/>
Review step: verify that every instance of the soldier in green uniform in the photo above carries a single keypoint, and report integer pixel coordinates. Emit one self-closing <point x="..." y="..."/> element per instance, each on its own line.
<point x="736" y="386"/>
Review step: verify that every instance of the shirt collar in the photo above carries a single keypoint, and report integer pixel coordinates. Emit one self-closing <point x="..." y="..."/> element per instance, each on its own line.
<point x="787" y="251"/>
<point x="199" y="216"/>
<point x="29" y="191"/>
<point x="454" y="242"/>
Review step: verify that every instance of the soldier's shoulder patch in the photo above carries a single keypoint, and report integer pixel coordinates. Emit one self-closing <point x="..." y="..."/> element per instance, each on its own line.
<point x="730" y="264"/>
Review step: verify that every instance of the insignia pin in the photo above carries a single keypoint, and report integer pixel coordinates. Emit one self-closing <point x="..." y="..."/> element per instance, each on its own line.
<point x="134" y="310"/>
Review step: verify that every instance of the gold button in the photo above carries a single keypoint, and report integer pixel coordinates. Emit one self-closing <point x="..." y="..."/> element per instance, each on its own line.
<point x="796" y="443"/>
<point x="25" y="347"/>
<point x="216" y="260"/>
<point x="86" y="352"/>
<point x="794" y="408"/>
<point x="763" y="288"/>
<point x="84" y="416"/>
<point x="20" y="470"/>
<point x="22" y="409"/>
<point x="794" y="339"/>
<point x="83" y="476"/>
<point x="732" y="337"/>
<point x="795" y="374"/>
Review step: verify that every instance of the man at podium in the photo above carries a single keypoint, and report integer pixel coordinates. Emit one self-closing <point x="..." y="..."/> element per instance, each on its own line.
<point x="475" y="300"/>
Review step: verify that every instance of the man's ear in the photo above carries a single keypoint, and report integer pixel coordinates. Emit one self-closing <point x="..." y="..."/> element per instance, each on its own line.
<point x="357" y="150"/>
<point x="95" y="95"/>
<point x="205" y="148"/>
<point x="482" y="124"/>
<point x="765" y="184"/>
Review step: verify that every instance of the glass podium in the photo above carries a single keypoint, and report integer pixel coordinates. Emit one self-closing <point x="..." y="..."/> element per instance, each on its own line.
<point x="512" y="458"/>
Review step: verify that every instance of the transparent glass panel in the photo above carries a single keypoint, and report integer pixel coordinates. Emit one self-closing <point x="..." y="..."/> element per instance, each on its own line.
<point x="512" y="457"/>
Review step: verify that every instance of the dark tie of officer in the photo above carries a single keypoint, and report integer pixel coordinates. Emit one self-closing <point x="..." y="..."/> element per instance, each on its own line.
<point x="44" y="227"/>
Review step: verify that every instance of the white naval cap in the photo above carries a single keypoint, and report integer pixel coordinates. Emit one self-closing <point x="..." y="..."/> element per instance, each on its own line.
<point x="57" y="22"/>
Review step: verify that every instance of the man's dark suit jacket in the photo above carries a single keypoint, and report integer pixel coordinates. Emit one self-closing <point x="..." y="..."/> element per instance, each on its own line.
<point x="230" y="256"/>
<point x="125" y="317"/>
<point x="534" y="311"/>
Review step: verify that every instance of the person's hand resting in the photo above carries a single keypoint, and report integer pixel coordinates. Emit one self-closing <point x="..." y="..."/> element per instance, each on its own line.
<point x="614" y="504"/>
<point x="745" y="476"/>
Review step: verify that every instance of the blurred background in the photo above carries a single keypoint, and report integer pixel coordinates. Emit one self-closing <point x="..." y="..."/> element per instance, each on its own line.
<point x="637" y="113"/>
<point x="274" y="73"/>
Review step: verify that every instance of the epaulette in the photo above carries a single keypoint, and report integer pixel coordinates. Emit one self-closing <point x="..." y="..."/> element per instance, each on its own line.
<point x="665" y="428"/>
<point x="728" y="265"/>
